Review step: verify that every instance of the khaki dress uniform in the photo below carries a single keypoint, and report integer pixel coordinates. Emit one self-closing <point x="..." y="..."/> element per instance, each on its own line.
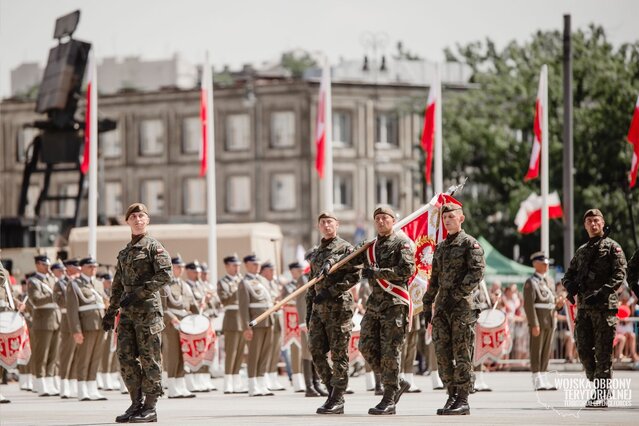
<point x="109" y="365"/>
<point x="254" y="299"/>
<point x="200" y="380"/>
<point x="539" y="305"/>
<point x="85" y="310"/>
<point x="276" y="339"/>
<point x="234" y="342"/>
<point x="177" y="302"/>
<point x="45" y="332"/>
<point x="67" y="344"/>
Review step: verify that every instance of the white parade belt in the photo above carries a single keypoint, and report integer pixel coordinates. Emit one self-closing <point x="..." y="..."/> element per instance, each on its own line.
<point x="544" y="305"/>
<point x="90" y="307"/>
<point x="234" y="307"/>
<point x="47" y="306"/>
<point x="260" y="305"/>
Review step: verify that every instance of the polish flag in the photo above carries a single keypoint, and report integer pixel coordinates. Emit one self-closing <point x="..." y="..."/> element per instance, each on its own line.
<point x="528" y="217"/>
<point x="320" y="126"/>
<point x="633" y="138"/>
<point x="533" y="166"/>
<point x="428" y="134"/>
<point x="205" y="87"/>
<point x="91" y="108"/>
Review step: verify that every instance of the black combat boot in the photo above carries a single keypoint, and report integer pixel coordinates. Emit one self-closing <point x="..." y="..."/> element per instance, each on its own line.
<point x="403" y="387"/>
<point x="334" y="404"/>
<point x="386" y="405"/>
<point x="307" y="367"/>
<point x="147" y="414"/>
<point x="134" y="409"/>
<point x="460" y="407"/>
<point x="316" y="383"/>
<point x="599" y="397"/>
<point x="452" y="395"/>
<point x="379" y="387"/>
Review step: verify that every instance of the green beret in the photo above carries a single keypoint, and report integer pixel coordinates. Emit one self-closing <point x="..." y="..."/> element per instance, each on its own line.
<point x="136" y="208"/>
<point x="326" y="215"/>
<point x="384" y="210"/>
<point x="593" y="212"/>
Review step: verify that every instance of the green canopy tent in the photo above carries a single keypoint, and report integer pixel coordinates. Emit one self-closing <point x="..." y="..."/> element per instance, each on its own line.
<point x="500" y="268"/>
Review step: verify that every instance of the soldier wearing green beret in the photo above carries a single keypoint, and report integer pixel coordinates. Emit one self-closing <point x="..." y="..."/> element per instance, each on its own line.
<point x="596" y="271"/>
<point x="143" y="268"/>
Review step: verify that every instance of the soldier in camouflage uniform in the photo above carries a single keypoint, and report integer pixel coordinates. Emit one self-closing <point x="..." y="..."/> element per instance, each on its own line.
<point x="329" y="312"/>
<point x="390" y="261"/>
<point x="458" y="268"/>
<point x="633" y="273"/>
<point x="143" y="268"/>
<point x="596" y="271"/>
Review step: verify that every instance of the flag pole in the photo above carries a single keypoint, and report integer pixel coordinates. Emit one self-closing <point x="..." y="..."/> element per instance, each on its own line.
<point x="328" y="143"/>
<point x="93" y="157"/>
<point x="439" y="171"/>
<point x="545" y="241"/>
<point x="210" y="171"/>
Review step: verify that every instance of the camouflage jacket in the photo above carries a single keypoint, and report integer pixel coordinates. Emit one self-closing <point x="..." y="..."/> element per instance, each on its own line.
<point x="395" y="257"/>
<point x="337" y="283"/>
<point x="593" y="267"/>
<point x="458" y="268"/>
<point x="144" y="266"/>
<point x="633" y="273"/>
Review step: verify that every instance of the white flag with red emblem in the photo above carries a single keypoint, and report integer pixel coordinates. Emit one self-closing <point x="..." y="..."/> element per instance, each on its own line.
<point x="533" y="165"/>
<point x="528" y="217"/>
<point x="633" y="138"/>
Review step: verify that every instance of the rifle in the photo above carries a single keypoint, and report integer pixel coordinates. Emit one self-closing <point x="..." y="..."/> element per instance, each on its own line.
<point x="573" y="288"/>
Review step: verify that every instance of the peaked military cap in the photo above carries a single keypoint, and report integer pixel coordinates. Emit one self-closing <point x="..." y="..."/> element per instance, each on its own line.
<point x="295" y="265"/>
<point x="232" y="259"/>
<point x="107" y="277"/>
<point x="539" y="256"/>
<point x="251" y="258"/>
<point x="57" y="265"/>
<point x="42" y="258"/>
<point x="267" y="264"/>
<point x="177" y="260"/>
<point x="88" y="261"/>
<point x="72" y="262"/>
<point x="204" y="266"/>
<point x="194" y="266"/>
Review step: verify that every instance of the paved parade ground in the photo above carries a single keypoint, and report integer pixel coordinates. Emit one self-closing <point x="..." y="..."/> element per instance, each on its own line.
<point x="510" y="402"/>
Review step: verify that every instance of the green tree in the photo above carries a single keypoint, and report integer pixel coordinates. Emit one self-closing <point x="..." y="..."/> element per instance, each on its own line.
<point x="488" y="133"/>
<point x="297" y="62"/>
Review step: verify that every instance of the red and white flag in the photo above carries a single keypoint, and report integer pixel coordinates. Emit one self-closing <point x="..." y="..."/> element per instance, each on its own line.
<point x="528" y="217"/>
<point x="206" y="86"/>
<point x="533" y="166"/>
<point x="321" y="123"/>
<point x="91" y="109"/>
<point x="633" y="138"/>
<point x="428" y="133"/>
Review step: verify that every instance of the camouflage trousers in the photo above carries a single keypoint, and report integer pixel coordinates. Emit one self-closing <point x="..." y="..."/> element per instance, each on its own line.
<point x="381" y="342"/>
<point x="140" y="352"/>
<point x="594" y="335"/>
<point x="330" y="331"/>
<point x="454" y="339"/>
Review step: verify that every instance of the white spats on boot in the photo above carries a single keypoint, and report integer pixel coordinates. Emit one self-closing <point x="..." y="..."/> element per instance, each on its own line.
<point x="56" y="384"/>
<point x="228" y="383"/>
<point x="30" y="380"/>
<point x="370" y="381"/>
<point x="437" y="382"/>
<point x="190" y="382"/>
<point x="83" y="391"/>
<point x="99" y="378"/>
<point x="73" y="388"/>
<point x="172" y="388"/>
<point x="50" y="386"/>
<point x="261" y="385"/>
<point x="537" y="383"/>
<point x="480" y="383"/>
<point x="180" y="386"/>
<point x="26" y="382"/>
<point x="94" y="393"/>
<point x="298" y="382"/>
<point x="273" y="382"/>
<point x="409" y="377"/>
<point x="545" y="382"/>
<point x="65" y="389"/>
<point x="38" y="385"/>
<point x="112" y="381"/>
<point x="205" y="382"/>
<point x="253" y="389"/>
<point x="238" y="384"/>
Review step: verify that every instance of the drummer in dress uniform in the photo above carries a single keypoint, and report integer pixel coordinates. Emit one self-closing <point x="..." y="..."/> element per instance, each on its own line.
<point x="234" y="342"/>
<point x="45" y="330"/>
<point x="85" y="310"/>
<point x="67" y="345"/>
<point x="268" y="272"/>
<point x="254" y="299"/>
<point x="200" y="380"/>
<point x="540" y="306"/>
<point x="177" y="302"/>
<point x="8" y="303"/>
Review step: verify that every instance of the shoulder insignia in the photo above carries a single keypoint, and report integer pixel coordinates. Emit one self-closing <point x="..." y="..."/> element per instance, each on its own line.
<point x="406" y="246"/>
<point x="160" y="250"/>
<point x="475" y="245"/>
<point x="617" y="249"/>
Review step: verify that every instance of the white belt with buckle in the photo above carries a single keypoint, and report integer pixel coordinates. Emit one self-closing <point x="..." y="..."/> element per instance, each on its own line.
<point x="259" y="305"/>
<point x="234" y="307"/>
<point x="90" y="307"/>
<point x="47" y="306"/>
<point x="544" y="305"/>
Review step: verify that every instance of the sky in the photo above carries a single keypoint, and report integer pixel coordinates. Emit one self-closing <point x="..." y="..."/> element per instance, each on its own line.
<point x="236" y="32"/>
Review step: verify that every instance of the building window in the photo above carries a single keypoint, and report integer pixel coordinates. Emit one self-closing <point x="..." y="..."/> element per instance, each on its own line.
<point x="25" y="137"/>
<point x="343" y="191"/>
<point x="66" y="208"/>
<point x="387" y="190"/>
<point x="342" y="125"/>
<point x="194" y="196"/>
<point x="110" y="143"/>
<point x="151" y="137"/>
<point x="113" y="199"/>
<point x="152" y="194"/>
<point x="191" y="135"/>
<point x="238" y="194"/>
<point x="238" y="132"/>
<point x="283" y="192"/>
<point x="282" y="129"/>
<point x="386" y="129"/>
